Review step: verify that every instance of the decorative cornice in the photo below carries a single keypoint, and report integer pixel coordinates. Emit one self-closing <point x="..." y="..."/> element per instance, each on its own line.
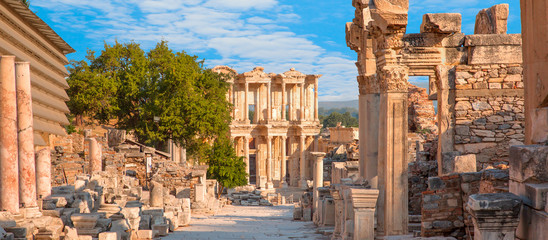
<point x="393" y="78"/>
<point x="368" y="84"/>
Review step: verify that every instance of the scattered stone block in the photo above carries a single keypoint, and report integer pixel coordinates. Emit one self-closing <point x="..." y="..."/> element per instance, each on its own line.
<point x="528" y="163"/>
<point x="162" y="229"/>
<point x="108" y="236"/>
<point x="145" y="234"/>
<point x="535" y="195"/>
<point x="441" y="23"/>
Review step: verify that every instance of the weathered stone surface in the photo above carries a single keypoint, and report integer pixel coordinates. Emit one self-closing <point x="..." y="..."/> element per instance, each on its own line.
<point x="441" y="23"/>
<point x="535" y="195"/>
<point x="528" y="163"/>
<point x="465" y="163"/>
<point x="108" y="236"/>
<point x="492" y="20"/>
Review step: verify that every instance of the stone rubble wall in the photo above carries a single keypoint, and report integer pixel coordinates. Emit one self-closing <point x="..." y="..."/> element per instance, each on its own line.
<point x="444" y="203"/>
<point x="487" y="124"/>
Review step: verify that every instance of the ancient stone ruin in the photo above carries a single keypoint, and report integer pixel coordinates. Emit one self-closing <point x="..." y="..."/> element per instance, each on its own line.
<point x="277" y="138"/>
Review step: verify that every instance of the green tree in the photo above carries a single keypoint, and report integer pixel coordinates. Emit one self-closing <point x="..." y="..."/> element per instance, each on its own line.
<point x="160" y="95"/>
<point x="345" y="119"/>
<point x="26" y="2"/>
<point x="225" y="166"/>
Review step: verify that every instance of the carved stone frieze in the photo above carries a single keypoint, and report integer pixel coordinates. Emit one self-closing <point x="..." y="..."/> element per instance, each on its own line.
<point x="393" y="78"/>
<point x="368" y="84"/>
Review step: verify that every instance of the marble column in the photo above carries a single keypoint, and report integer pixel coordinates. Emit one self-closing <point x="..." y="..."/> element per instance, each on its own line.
<point x="95" y="158"/>
<point x="302" y="163"/>
<point x="302" y="102"/>
<point x="43" y="173"/>
<point x="9" y="165"/>
<point x="269" y="184"/>
<point x="246" y="103"/>
<point x="392" y="212"/>
<point x="27" y="168"/>
<point x="283" y="171"/>
<point x="284" y="103"/>
<point x="369" y="104"/>
<point x="318" y="177"/>
<point x="316" y="101"/>
<point x="246" y="156"/>
<point x="268" y="103"/>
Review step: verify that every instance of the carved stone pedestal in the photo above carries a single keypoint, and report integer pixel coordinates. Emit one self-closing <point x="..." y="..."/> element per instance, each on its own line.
<point x="495" y="215"/>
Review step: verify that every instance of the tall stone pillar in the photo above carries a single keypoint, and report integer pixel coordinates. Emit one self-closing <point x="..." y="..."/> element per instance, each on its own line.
<point x="246" y="103"/>
<point x="246" y="156"/>
<point x="369" y="104"/>
<point x="316" y="101"/>
<point x="27" y="168"/>
<point x="339" y="208"/>
<point x="392" y="212"/>
<point x="283" y="171"/>
<point x="43" y="173"/>
<point x="446" y="109"/>
<point x="284" y="102"/>
<point x="95" y="156"/>
<point x="302" y="102"/>
<point x="302" y="164"/>
<point x="318" y="177"/>
<point x="9" y="165"/>
<point x="268" y="103"/>
<point x="269" y="184"/>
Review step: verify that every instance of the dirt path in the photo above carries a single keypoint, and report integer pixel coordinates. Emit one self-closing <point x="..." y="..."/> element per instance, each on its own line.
<point x="239" y="222"/>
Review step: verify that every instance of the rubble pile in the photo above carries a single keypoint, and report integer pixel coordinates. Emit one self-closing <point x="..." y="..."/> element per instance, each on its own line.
<point x="247" y="196"/>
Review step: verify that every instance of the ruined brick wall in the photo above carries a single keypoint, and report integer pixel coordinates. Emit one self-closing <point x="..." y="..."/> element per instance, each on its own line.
<point x="491" y="120"/>
<point x="422" y="115"/>
<point x="444" y="203"/>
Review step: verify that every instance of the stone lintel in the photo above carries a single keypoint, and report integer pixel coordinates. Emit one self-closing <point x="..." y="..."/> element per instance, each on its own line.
<point x="388" y="20"/>
<point x="497" y="54"/>
<point x="492" y="40"/>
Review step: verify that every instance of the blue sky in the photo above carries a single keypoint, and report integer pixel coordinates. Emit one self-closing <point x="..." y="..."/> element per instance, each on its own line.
<point x="276" y="34"/>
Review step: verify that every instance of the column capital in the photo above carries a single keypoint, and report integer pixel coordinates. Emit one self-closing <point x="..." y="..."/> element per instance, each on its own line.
<point x="393" y="78"/>
<point x="368" y="84"/>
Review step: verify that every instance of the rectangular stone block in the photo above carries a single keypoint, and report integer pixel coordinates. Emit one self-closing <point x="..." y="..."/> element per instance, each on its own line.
<point x="536" y="194"/>
<point x="532" y="224"/>
<point x="145" y="234"/>
<point x="494" y="55"/>
<point x="162" y="229"/>
<point x="528" y="163"/>
<point x="108" y="236"/>
<point x="441" y="23"/>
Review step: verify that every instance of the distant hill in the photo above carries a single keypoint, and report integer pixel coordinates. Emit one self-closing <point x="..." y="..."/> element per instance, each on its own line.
<point x="341" y="104"/>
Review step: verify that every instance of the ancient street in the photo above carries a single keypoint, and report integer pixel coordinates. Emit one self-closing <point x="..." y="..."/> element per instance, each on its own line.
<point x="245" y="222"/>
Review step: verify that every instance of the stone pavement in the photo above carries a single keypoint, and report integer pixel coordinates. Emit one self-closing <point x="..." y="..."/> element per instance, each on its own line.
<point x="248" y="222"/>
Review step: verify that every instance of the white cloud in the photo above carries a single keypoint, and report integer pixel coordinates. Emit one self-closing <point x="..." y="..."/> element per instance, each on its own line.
<point x="243" y="33"/>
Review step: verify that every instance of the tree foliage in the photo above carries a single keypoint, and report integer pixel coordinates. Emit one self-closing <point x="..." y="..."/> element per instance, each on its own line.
<point x="345" y="119"/>
<point x="160" y="95"/>
<point x="225" y="166"/>
<point x="26" y="2"/>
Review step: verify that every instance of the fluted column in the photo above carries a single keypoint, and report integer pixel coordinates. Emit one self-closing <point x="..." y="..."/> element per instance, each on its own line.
<point x="283" y="171"/>
<point x="43" y="173"/>
<point x="9" y="166"/>
<point x="284" y="117"/>
<point x="269" y="184"/>
<point x="302" y="162"/>
<point x="27" y="168"/>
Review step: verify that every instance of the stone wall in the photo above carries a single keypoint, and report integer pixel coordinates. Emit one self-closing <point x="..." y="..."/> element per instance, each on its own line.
<point x="488" y="122"/>
<point x="444" y="203"/>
